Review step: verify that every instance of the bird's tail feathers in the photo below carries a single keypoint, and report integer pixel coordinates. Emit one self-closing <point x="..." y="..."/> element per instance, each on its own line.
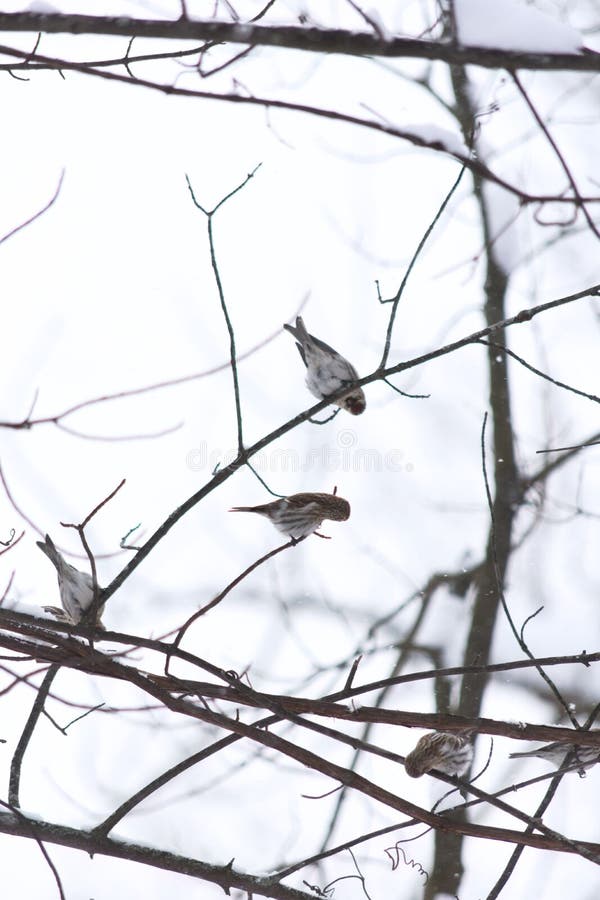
<point x="47" y="547"/>
<point x="263" y="510"/>
<point x="299" y="331"/>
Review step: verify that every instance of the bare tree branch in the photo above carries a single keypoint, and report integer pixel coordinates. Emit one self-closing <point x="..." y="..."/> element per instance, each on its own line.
<point x="415" y="136"/>
<point x="225" y="876"/>
<point x="222" y="475"/>
<point x="313" y="40"/>
<point x="26" y="735"/>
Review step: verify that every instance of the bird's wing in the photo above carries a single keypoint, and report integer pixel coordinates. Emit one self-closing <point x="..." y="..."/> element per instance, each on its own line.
<point x="302" y="354"/>
<point x="323" y="346"/>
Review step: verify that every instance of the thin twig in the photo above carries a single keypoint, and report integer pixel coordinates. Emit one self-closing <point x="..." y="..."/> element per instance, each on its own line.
<point x="90" y="615"/>
<point x="396" y="299"/>
<point x="531" y="368"/>
<point x="262" y="481"/>
<point x="32" y="720"/>
<point x="122" y="543"/>
<point x="368" y="18"/>
<point x="208" y="606"/>
<point x="579" y="204"/>
<point x="11" y="543"/>
<point x="209" y="213"/>
<point x="31" y="825"/>
<point x="573" y="447"/>
<point x="83" y="715"/>
<point x="39" y="213"/>
<point x="10" y="538"/>
<point x="352" y="673"/>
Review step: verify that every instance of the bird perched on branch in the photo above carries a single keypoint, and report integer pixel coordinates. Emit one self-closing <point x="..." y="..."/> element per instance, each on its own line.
<point x="583" y="758"/>
<point x="441" y="750"/>
<point x="326" y="371"/>
<point x="301" y="514"/>
<point x="76" y="588"/>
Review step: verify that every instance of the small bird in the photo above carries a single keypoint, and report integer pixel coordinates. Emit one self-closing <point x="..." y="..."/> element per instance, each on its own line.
<point x="76" y="588"/>
<point x="583" y="758"/>
<point x="327" y="371"/>
<point x="441" y="750"/>
<point x="301" y="514"/>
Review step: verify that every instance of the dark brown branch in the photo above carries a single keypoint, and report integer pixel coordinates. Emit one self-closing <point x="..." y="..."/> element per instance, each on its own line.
<point x="32" y="720"/>
<point x="94" y="662"/>
<point x="284" y="706"/>
<point x="398" y="826"/>
<point x="312" y="760"/>
<point x="225" y="876"/>
<point x="83" y="658"/>
<point x="411" y="135"/>
<point x="125" y="60"/>
<point x="312" y="40"/>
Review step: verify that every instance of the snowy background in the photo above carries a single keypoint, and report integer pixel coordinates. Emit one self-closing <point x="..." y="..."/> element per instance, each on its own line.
<point x="112" y="289"/>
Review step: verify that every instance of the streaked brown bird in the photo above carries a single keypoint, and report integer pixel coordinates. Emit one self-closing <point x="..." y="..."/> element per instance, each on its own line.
<point x="301" y="514"/>
<point x="441" y="750"/>
<point x="76" y="588"/>
<point x="326" y="370"/>
<point x="583" y="758"/>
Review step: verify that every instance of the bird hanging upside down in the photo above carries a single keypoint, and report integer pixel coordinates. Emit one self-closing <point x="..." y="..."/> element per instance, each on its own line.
<point x="326" y="370"/>
<point x="76" y="588"/>
<point x="441" y="750"/>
